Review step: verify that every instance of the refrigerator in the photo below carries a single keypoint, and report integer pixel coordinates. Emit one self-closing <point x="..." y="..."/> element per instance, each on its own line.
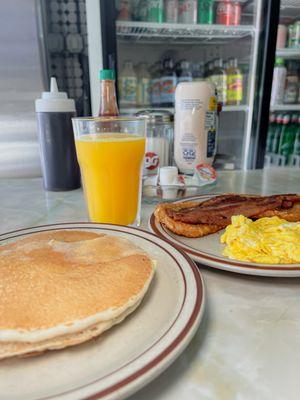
<point x="282" y="144"/>
<point x="120" y="31"/>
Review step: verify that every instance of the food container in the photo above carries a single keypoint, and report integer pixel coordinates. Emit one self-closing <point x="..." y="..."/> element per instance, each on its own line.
<point x="159" y="140"/>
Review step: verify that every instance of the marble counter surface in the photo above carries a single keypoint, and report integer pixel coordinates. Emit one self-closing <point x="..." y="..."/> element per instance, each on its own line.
<point x="248" y="344"/>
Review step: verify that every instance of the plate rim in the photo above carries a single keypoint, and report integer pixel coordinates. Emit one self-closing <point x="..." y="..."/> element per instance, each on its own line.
<point x="275" y="270"/>
<point x="143" y="375"/>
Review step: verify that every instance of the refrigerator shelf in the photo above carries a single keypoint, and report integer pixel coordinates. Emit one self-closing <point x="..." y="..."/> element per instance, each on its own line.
<point x="152" y="31"/>
<point x="285" y="107"/>
<point x="133" y="110"/>
<point x="290" y="54"/>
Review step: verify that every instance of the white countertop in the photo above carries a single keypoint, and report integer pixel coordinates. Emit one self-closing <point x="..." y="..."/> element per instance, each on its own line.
<point x="248" y="344"/>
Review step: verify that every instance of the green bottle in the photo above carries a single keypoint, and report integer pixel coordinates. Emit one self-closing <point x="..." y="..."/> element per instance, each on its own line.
<point x="288" y="135"/>
<point x="277" y="133"/>
<point x="271" y="133"/>
<point x="205" y="11"/>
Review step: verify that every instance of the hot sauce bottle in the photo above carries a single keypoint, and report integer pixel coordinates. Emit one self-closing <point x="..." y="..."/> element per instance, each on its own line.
<point x="108" y="102"/>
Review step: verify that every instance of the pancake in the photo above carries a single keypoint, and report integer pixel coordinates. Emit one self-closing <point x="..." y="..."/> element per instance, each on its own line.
<point x="62" y="288"/>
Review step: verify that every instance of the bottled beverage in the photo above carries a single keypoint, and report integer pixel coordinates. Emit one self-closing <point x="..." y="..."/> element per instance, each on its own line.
<point x="143" y="87"/>
<point x="291" y="84"/>
<point x="128" y="85"/>
<point x="168" y="83"/>
<point x="171" y="11"/>
<point x="205" y="11"/>
<point x="155" y="84"/>
<point x="155" y="11"/>
<point x="108" y="102"/>
<point x="234" y="83"/>
<point x="297" y="34"/>
<point x="125" y="11"/>
<point x="271" y="133"/>
<point x="281" y="36"/>
<point x="184" y="72"/>
<point x="296" y="149"/>
<point x="198" y="71"/>
<point x="287" y="137"/>
<point x="291" y="36"/>
<point x="143" y="10"/>
<point x="187" y="11"/>
<point x="208" y="69"/>
<point x="278" y="83"/>
<point x="219" y="78"/>
<point x="277" y="134"/>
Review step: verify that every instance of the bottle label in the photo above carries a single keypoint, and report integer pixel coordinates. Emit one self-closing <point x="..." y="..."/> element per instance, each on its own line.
<point x="220" y="82"/>
<point x="128" y="89"/>
<point x="155" y="91"/>
<point x="167" y="85"/>
<point x="234" y="87"/>
<point x="211" y="125"/>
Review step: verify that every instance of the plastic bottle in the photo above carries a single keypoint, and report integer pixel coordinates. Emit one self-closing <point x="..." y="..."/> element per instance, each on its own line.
<point x="143" y="88"/>
<point x="128" y="85"/>
<point x="168" y="83"/>
<point x="171" y="11"/>
<point x="291" y="84"/>
<point x="205" y="11"/>
<point x="219" y="78"/>
<point x="198" y="71"/>
<point x="108" y="102"/>
<point x="155" y="84"/>
<point x="155" y="11"/>
<point x="57" y="148"/>
<point x="278" y="83"/>
<point x="296" y="149"/>
<point x="185" y="73"/>
<point x="277" y="133"/>
<point x="287" y="138"/>
<point x="234" y="83"/>
<point x="188" y="11"/>
<point x="125" y="11"/>
<point x="271" y="133"/>
<point x="195" y="125"/>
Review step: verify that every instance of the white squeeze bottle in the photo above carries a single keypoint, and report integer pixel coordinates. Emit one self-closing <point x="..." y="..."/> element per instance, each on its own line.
<point x="195" y="125"/>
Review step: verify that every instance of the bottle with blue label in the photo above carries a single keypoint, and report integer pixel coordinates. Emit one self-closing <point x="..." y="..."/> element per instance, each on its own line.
<point x="168" y="83"/>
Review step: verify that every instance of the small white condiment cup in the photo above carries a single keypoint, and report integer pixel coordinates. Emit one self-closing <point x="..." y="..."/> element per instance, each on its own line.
<point x="168" y="175"/>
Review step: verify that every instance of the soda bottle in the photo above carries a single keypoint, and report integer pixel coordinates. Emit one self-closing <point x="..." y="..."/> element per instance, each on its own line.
<point x="187" y="11"/>
<point x="155" y="11"/>
<point x="184" y="72"/>
<point x="287" y="139"/>
<point x="219" y="78"/>
<point x="277" y="133"/>
<point x="128" y="85"/>
<point x="108" y="102"/>
<point x="234" y="83"/>
<point x="143" y="86"/>
<point x="291" y="84"/>
<point x="271" y="133"/>
<point x="205" y="11"/>
<point x="168" y="83"/>
<point x="296" y="149"/>
<point x="155" y="89"/>
<point x="171" y="11"/>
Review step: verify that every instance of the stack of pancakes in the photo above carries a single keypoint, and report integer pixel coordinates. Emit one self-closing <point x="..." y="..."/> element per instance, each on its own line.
<point x="62" y="288"/>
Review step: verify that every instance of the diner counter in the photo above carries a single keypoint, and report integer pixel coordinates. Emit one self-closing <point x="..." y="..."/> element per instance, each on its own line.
<point x="248" y="344"/>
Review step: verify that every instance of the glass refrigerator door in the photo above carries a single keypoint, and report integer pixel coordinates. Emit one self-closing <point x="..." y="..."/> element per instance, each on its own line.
<point x="283" y="137"/>
<point x="220" y="41"/>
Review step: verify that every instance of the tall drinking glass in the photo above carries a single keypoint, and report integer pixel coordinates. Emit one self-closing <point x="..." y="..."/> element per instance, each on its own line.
<point x="110" y="151"/>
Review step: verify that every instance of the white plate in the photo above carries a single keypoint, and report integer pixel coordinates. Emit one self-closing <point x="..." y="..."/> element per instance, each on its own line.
<point x="208" y="250"/>
<point x="129" y="355"/>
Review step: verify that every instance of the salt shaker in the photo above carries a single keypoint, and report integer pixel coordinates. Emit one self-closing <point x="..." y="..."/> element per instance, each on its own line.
<point x="57" y="147"/>
<point x="159" y="141"/>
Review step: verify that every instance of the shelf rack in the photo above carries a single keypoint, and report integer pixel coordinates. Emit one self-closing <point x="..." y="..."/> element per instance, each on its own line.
<point x="153" y="31"/>
<point x="285" y="107"/>
<point x="290" y="54"/>
<point x="133" y="110"/>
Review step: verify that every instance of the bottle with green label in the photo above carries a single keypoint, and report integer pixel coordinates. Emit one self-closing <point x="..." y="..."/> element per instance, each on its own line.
<point x="288" y="135"/>
<point x="205" y="11"/>
<point x="234" y="83"/>
<point x="277" y="133"/>
<point x="296" y="149"/>
<point x="155" y="11"/>
<point x="271" y="133"/>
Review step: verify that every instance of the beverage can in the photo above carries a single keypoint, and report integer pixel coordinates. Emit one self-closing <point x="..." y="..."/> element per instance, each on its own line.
<point x="205" y="11"/>
<point x="281" y="36"/>
<point x="155" y="11"/>
<point x="187" y="11"/>
<point x="225" y="13"/>
<point x="171" y="11"/>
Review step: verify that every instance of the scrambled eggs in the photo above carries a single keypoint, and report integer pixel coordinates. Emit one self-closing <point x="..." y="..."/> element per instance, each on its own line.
<point x="266" y="240"/>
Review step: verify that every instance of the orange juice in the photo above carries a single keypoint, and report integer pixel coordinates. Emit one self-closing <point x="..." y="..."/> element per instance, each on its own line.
<point x="111" y="166"/>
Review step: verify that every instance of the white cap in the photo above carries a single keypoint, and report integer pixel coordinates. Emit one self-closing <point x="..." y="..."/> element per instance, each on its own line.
<point x="54" y="101"/>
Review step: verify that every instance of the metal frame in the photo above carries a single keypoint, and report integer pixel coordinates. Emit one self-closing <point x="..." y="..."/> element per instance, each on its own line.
<point x="260" y="123"/>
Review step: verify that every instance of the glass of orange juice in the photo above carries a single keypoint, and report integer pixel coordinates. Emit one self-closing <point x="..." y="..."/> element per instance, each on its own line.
<point x="110" y="152"/>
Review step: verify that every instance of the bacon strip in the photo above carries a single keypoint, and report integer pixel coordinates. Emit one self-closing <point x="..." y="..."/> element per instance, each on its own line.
<point x="220" y="209"/>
